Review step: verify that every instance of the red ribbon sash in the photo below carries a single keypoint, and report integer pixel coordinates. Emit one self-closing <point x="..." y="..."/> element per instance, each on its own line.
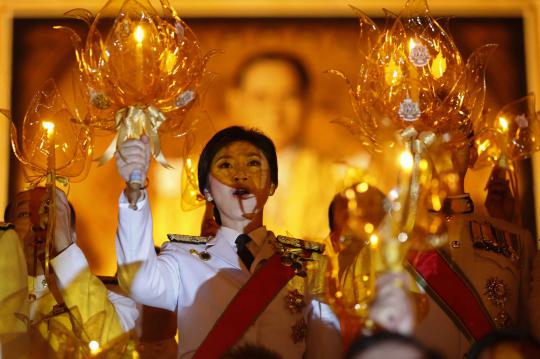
<point x="250" y="301"/>
<point x="453" y="292"/>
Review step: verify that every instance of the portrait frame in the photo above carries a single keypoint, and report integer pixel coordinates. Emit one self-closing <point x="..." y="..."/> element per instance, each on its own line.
<point x="528" y="10"/>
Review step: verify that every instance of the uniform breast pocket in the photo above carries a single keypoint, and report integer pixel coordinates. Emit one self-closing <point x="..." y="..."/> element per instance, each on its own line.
<point x="494" y="262"/>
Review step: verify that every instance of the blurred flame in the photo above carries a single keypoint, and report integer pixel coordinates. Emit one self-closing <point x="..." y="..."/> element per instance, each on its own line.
<point x="412" y="44"/>
<point x="406" y="160"/>
<point x="436" y="204"/>
<point x="503" y="124"/>
<point x="483" y="146"/>
<point x="392" y="73"/>
<point x="49" y="126"/>
<point x="368" y="227"/>
<point x="138" y="34"/>
<point x="438" y="67"/>
<point x="94" y="347"/>
<point x="362" y="187"/>
<point x="374" y="240"/>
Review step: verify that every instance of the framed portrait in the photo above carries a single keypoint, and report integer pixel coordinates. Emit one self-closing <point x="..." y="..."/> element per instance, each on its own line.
<point x="317" y="36"/>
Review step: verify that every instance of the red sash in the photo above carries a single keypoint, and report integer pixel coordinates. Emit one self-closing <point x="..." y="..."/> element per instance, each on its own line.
<point x="250" y="301"/>
<point x="452" y="292"/>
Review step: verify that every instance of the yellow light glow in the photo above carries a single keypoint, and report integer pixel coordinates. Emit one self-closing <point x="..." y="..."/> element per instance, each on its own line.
<point x="49" y="126"/>
<point x="503" y="124"/>
<point x="170" y="61"/>
<point x="438" y="66"/>
<point x="373" y="240"/>
<point x="349" y="193"/>
<point x="94" y="347"/>
<point x="139" y="34"/>
<point x="483" y="146"/>
<point x="436" y="203"/>
<point x="402" y="237"/>
<point x="412" y="44"/>
<point x="423" y="164"/>
<point x="339" y="294"/>
<point x="392" y="73"/>
<point x="368" y="227"/>
<point x="362" y="187"/>
<point x="406" y="160"/>
<point x="365" y="277"/>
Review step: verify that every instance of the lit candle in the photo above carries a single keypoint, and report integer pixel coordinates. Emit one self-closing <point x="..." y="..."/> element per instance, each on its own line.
<point x="373" y="250"/>
<point x="413" y="74"/>
<point x="51" y="182"/>
<point x="138" y="36"/>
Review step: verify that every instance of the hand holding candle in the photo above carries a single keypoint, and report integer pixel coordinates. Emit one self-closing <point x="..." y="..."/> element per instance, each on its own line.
<point x="132" y="162"/>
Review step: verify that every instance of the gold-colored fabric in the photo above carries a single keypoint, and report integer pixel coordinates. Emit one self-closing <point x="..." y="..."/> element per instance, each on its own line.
<point x="30" y="308"/>
<point x="133" y="122"/>
<point x="13" y="287"/>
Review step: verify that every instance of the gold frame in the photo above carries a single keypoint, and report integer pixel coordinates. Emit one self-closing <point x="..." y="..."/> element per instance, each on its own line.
<point x="529" y="10"/>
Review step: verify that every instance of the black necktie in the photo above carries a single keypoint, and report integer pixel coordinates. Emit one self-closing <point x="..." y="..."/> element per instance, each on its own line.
<point x="243" y="251"/>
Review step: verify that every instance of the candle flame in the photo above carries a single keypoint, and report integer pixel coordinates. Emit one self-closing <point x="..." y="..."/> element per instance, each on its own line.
<point x="362" y="187"/>
<point x="94" y="347"/>
<point x="49" y="126"/>
<point x="368" y="227"/>
<point x="438" y="67"/>
<point x="412" y="44"/>
<point x="503" y="124"/>
<point x="406" y="160"/>
<point x="373" y="240"/>
<point x="436" y="203"/>
<point x="139" y="34"/>
<point x="392" y="73"/>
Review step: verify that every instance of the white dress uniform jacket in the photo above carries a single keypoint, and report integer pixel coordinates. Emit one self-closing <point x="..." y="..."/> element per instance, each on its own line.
<point x="200" y="290"/>
<point x="481" y="267"/>
<point x="82" y="292"/>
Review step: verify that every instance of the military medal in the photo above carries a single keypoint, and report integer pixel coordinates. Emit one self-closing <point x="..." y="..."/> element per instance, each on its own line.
<point x="488" y="238"/>
<point x="299" y="331"/>
<point x="498" y="293"/>
<point x="295" y="301"/>
<point x="204" y="255"/>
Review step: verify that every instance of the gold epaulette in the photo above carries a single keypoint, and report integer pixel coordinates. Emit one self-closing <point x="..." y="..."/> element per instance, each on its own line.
<point x="290" y="242"/>
<point x="6" y="226"/>
<point x="182" y="238"/>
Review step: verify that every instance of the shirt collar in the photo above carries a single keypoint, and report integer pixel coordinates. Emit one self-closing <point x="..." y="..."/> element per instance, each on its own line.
<point x="258" y="235"/>
<point x="460" y="204"/>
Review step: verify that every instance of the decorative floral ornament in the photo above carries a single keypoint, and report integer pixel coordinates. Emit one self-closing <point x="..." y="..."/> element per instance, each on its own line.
<point x="148" y="60"/>
<point x="521" y="121"/>
<point x="414" y="58"/>
<point x="419" y="55"/>
<point x="409" y="110"/>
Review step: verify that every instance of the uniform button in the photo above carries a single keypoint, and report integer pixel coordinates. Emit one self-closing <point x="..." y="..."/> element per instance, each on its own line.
<point x="455" y="244"/>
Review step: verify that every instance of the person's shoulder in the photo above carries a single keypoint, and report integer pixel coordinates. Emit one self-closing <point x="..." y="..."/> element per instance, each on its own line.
<point x="183" y="243"/>
<point x="286" y="243"/>
<point x="7" y="230"/>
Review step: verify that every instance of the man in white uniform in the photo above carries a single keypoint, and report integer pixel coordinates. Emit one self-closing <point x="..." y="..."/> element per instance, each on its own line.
<point x="488" y="261"/>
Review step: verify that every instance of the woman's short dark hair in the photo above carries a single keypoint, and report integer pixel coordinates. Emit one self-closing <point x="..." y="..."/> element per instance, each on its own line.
<point x="228" y="136"/>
